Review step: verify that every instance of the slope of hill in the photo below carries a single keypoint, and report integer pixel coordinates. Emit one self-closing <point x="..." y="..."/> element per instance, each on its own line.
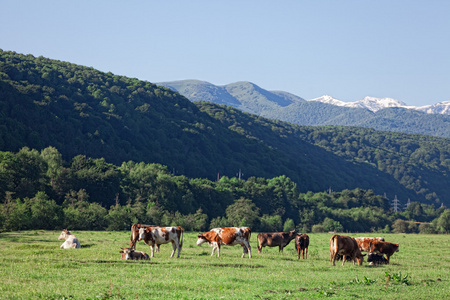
<point x="380" y="114"/>
<point x="80" y="110"/>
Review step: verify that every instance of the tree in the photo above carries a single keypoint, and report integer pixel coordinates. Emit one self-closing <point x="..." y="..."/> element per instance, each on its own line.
<point x="45" y="213"/>
<point x="400" y="226"/>
<point x="243" y="212"/>
<point x="443" y="222"/>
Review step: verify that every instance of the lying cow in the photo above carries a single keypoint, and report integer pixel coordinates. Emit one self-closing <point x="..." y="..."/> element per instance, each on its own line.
<point x="162" y="235"/>
<point x="274" y="239"/>
<point x="376" y="259"/>
<point x="365" y="242"/>
<point x="134" y="238"/>
<point x="384" y="248"/>
<point x="71" y="241"/>
<point x="301" y="245"/>
<point x="131" y="254"/>
<point x="345" y="246"/>
<point x="227" y="236"/>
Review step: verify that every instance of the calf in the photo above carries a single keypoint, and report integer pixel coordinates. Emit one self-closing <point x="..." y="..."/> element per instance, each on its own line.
<point x="384" y="248"/>
<point x="227" y="236"/>
<point x="273" y="239"/>
<point x="71" y="241"/>
<point x="134" y="238"/>
<point x="345" y="246"/>
<point x="376" y="259"/>
<point x="162" y="235"/>
<point x="365" y="242"/>
<point x="131" y="254"/>
<point x="301" y="245"/>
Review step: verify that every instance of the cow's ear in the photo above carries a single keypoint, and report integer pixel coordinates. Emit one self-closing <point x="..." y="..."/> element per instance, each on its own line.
<point x="121" y="251"/>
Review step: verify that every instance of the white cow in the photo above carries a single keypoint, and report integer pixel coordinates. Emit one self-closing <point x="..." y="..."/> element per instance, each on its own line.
<point x="71" y="241"/>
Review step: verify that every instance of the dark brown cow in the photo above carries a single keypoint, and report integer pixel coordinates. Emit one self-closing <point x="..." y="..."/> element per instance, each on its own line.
<point x="301" y="245"/>
<point x="131" y="254"/>
<point x="345" y="246"/>
<point x="274" y="239"/>
<point x="365" y="242"/>
<point x="162" y="235"/>
<point x="227" y="236"/>
<point x="376" y="259"/>
<point x="134" y="238"/>
<point x="384" y="248"/>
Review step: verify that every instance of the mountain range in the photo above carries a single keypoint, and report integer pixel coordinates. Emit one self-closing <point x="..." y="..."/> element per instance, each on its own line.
<point x="377" y="113"/>
<point x="81" y="111"/>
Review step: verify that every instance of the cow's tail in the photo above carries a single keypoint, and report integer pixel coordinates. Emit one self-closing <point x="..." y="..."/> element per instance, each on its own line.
<point x="333" y="246"/>
<point x="133" y="237"/>
<point x="181" y="242"/>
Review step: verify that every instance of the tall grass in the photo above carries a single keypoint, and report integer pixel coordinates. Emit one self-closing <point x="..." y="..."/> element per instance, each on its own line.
<point x="33" y="267"/>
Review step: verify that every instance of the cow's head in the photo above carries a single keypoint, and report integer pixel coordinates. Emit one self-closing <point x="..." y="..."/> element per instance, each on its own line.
<point x="145" y="234"/>
<point x="292" y="234"/>
<point x="201" y="239"/>
<point x="360" y="257"/>
<point x="127" y="252"/>
<point x="63" y="235"/>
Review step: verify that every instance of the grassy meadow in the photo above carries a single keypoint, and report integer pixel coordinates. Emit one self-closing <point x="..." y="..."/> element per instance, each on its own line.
<point x="32" y="266"/>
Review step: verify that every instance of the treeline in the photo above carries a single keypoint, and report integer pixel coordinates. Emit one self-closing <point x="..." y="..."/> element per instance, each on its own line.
<point x="79" y="110"/>
<point x="41" y="191"/>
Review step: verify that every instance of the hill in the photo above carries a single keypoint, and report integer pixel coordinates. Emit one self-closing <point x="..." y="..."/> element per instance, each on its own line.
<point x="380" y="114"/>
<point x="79" y="110"/>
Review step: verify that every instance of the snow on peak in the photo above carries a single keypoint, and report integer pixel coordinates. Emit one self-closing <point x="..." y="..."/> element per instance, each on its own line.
<point x="370" y="103"/>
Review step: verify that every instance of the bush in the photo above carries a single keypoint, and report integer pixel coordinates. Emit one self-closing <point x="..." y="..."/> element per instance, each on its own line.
<point x="288" y="225"/>
<point x="317" y="228"/>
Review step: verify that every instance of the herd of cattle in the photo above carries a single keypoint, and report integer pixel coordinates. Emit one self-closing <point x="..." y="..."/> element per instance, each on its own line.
<point x="341" y="247"/>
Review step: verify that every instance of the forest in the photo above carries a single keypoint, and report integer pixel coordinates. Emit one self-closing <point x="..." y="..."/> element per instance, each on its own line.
<point x="42" y="191"/>
<point x="99" y="125"/>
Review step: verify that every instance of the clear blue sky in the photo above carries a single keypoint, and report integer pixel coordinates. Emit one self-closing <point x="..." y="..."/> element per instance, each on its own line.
<point x="346" y="49"/>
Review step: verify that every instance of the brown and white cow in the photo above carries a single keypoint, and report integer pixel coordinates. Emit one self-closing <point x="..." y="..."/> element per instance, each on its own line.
<point x="384" y="248"/>
<point x="134" y="238"/>
<point x="71" y="240"/>
<point x="365" y="242"/>
<point x="345" y="246"/>
<point x="301" y="245"/>
<point x="274" y="239"/>
<point x="162" y="235"/>
<point x="229" y="236"/>
<point x="131" y="254"/>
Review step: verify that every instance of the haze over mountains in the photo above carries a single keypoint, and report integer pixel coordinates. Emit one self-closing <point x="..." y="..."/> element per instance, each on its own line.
<point x="381" y="114"/>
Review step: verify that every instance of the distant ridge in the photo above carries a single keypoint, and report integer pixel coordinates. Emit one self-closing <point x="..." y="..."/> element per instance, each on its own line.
<point x="377" y="113"/>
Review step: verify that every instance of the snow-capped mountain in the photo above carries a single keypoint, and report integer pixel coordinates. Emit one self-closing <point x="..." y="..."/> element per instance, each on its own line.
<point x="375" y="104"/>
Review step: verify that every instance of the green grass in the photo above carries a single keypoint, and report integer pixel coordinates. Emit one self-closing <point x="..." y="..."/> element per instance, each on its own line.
<point x="33" y="267"/>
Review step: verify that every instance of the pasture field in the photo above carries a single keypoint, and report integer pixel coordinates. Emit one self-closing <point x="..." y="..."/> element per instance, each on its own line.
<point x="32" y="266"/>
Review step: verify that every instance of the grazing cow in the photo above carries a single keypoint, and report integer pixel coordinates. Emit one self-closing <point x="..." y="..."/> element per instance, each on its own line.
<point x="273" y="239"/>
<point x="376" y="259"/>
<point x="71" y="241"/>
<point x="134" y="238"/>
<point x="131" y="254"/>
<point x="162" y="235"/>
<point x="227" y="236"/>
<point x="345" y="246"/>
<point x="365" y="242"/>
<point x="301" y="245"/>
<point x="384" y="248"/>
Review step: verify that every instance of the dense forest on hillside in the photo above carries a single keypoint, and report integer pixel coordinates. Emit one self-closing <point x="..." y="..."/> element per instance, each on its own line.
<point x="42" y="191"/>
<point x="81" y="111"/>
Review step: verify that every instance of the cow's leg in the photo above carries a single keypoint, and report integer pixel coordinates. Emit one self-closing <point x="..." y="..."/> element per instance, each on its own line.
<point x="387" y="258"/>
<point x="249" y="249"/>
<point x="218" y="250"/>
<point x="305" y="253"/>
<point x="344" y="257"/>
<point x="214" y="245"/>
<point x="174" y="248"/>
<point x="333" y="258"/>
<point x="152" y="248"/>
<point x="157" y="248"/>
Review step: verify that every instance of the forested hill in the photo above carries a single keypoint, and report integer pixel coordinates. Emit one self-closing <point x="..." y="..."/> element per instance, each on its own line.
<point x="79" y="110"/>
